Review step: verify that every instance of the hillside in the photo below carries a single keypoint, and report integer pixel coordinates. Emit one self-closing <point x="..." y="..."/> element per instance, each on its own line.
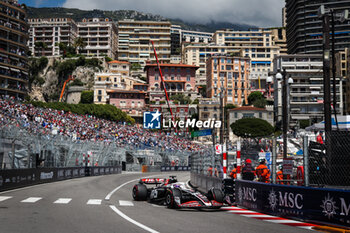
<point x="78" y="15"/>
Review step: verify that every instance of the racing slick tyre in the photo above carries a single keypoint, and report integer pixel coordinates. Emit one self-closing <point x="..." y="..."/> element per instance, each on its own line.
<point x="170" y="198"/>
<point x="216" y="195"/>
<point x="139" y="192"/>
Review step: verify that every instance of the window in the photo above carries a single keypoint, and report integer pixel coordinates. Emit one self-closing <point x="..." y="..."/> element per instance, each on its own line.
<point x="260" y="114"/>
<point x="236" y="115"/>
<point x="156" y="77"/>
<point x="188" y="78"/>
<point x="99" y="98"/>
<point x="99" y="92"/>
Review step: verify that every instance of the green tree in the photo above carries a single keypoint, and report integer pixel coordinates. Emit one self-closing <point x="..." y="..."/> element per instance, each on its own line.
<point x="181" y="98"/>
<point x="252" y="127"/>
<point x="36" y="65"/>
<point x="196" y="101"/>
<point x="304" y="123"/>
<point x="87" y="97"/>
<point x="42" y="46"/>
<point x="79" y="44"/>
<point x="108" y="59"/>
<point x="260" y="103"/>
<point x="135" y="66"/>
<point x="255" y="95"/>
<point x="203" y="90"/>
<point x="230" y="106"/>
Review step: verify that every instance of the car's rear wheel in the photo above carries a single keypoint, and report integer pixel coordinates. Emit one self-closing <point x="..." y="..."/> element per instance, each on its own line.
<point x="170" y="198"/>
<point x="216" y="195"/>
<point x="139" y="192"/>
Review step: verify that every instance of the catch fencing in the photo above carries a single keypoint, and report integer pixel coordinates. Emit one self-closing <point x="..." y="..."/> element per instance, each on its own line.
<point x="310" y="159"/>
<point x="20" y="149"/>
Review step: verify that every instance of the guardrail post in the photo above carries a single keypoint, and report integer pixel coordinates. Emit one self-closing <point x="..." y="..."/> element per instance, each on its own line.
<point x="274" y="156"/>
<point x="306" y="159"/>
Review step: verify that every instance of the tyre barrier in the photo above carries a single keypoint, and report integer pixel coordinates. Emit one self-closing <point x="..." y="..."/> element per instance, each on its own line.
<point x="324" y="205"/>
<point x="18" y="178"/>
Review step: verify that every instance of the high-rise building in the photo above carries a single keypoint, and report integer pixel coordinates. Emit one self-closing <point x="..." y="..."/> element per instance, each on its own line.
<point x="134" y="42"/>
<point x="46" y="34"/>
<point x="304" y="27"/>
<point x="228" y="74"/>
<point x="100" y="37"/>
<point x="13" y="50"/>
<point x="306" y="92"/>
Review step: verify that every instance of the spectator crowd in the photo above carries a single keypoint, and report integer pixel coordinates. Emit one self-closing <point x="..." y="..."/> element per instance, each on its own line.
<point x="87" y="127"/>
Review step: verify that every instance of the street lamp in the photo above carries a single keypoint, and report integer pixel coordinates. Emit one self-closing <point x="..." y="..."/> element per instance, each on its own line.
<point x="283" y="75"/>
<point x="269" y="81"/>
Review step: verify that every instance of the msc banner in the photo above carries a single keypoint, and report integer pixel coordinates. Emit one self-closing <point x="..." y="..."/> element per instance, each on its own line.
<point x="320" y="204"/>
<point x="175" y="168"/>
<point x="10" y="179"/>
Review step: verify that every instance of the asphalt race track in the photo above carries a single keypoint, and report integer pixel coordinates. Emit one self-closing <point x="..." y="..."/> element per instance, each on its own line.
<point x="104" y="204"/>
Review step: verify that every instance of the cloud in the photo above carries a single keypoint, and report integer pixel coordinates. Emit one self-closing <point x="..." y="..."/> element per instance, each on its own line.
<point x="263" y="13"/>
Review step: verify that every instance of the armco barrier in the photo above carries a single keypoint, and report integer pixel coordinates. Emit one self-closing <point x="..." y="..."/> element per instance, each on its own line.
<point x="317" y="204"/>
<point x="17" y="178"/>
<point x="204" y="183"/>
<point x="175" y="168"/>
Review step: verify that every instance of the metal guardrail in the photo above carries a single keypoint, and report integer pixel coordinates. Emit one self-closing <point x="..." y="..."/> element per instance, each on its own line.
<point x="16" y="178"/>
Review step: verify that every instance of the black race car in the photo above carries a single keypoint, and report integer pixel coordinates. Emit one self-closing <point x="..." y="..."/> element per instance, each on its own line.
<point x="175" y="194"/>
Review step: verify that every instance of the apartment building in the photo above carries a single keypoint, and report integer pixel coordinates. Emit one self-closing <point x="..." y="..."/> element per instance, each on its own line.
<point x="306" y="92"/>
<point x="258" y="45"/>
<point x="178" y="78"/>
<point x="116" y="78"/>
<point x="134" y="42"/>
<point x="304" y="27"/>
<point x="230" y="75"/>
<point x="50" y="32"/>
<point x="13" y="50"/>
<point x="179" y="36"/>
<point x="197" y="54"/>
<point x="100" y="36"/>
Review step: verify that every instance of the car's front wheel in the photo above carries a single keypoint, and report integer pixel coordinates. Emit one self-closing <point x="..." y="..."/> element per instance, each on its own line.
<point x="170" y="198"/>
<point x="216" y="195"/>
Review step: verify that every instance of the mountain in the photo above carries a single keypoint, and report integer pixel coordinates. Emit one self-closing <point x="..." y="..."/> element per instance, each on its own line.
<point x="78" y="15"/>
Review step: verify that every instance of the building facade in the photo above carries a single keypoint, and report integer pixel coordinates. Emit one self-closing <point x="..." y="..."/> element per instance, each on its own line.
<point x="231" y="75"/>
<point x="259" y="45"/>
<point x="134" y="42"/>
<point x="178" y="78"/>
<point x="131" y="102"/>
<point x="306" y="91"/>
<point x="100" y="37"/>
<point x="13" y="50"/>
<point x="116" y="78"/>
<point x="304" y="27"/>
<point x="249" y="112"/>
<point x="51" y="32"/>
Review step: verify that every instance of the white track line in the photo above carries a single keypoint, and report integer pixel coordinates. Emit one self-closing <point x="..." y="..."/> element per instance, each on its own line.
<point x="242" y="211"/>
<point x="281" y="221"/>
<point x="31" y="199"/>
<point x="257" y="216"/>
<point x="125" y="203"/>
<point x="63" y="201"/>
<point x="116" y="189"/>
<point x="3" y="198"/>
<point x="132" y="220"/>
<point x="94" y="202"/>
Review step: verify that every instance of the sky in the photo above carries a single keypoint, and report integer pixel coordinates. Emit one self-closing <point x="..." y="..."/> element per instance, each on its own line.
<point x="263" y="13"/>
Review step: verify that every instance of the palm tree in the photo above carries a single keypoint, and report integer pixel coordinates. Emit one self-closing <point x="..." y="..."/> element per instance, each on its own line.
<point x="42" y="47"/>
<point x="79" y="44"/>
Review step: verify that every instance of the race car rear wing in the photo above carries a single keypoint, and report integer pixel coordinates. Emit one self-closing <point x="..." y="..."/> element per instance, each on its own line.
<point x="152" y="181"/>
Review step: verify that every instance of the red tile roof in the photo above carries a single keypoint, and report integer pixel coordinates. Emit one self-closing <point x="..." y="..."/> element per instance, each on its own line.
<point x="247" y="108"/>
<point x="118" y="62"/>
<point x="172" y="65"/>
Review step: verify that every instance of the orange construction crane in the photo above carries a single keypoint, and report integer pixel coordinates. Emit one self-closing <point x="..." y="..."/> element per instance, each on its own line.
<point x="64" y="86"/>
